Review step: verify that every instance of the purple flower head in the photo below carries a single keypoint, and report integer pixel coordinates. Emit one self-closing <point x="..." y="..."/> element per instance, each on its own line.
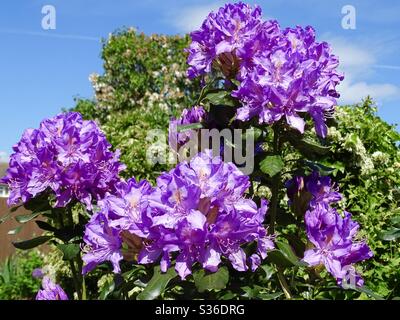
<point x="51" y="291"/>
<point x="312" y="191"/>
<point x="37" y="273"/>
<point x="122" y="219"/>
<point x="290" y="76"/>
<point x="67" y="156"/>
<point x="197" y="213"/>
<point x="221" y="37"/>
<point x="177" y="138"/>
<point x="102" y="243"/>
<point x="322" y="190"/>
<point x="333" y="237"/>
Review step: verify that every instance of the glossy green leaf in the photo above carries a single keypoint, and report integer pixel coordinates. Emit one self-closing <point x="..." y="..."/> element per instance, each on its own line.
<point x="221" y="98"/>
<point x="211" y="281"/>
<point x="107" y="289"/>
<point x="272" y="165"/>
<point x="322" y="169"/>
<point x="69" y="250"/>
<point x="390" y="235"/>
<point x="270" y="296"/>
<point x="368" y="292"/>
<point x="288" y="252"/>
<point x="32" y="243"/>
<point x="191" y="126"/>
<point x="284" y="256"/>
<point x="45" y="226"/>
<point x="256" y="292"/>
<point x="269" y="271"/>
<point x="395" y="221"/>
<point x="158" y="283"/>
<point x="305" y="146"/>
<point x="28" y="217"/>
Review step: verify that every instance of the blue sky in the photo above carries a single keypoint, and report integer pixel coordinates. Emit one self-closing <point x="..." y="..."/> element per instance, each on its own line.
<point x="42" y="70"/>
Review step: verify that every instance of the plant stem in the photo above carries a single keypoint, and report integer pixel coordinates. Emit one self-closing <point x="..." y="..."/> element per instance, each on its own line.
<point x="76" y="273"/>
<point x="75" y="278"/>
<point x="276" y="179"/>
<point x="284" y="285"/>
<point x="275" y="182"/>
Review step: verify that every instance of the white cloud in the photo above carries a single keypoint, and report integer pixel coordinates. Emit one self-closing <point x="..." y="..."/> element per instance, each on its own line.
<point x="4" y="156"/>
<point x="357" y="62"/>
<point x="354" y="92"/>
<point x="351" y="55"/>
<point x="190" y="18"/>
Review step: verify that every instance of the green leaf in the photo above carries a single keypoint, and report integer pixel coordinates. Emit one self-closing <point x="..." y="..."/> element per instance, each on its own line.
<point x="305" y="146"/>
<point x="287" y="251"/>
<point x="270" y="296"/>
<point x="284" y="256"/>
<point x="69" y="250"/>
<point x="269" y="271"/>
<point x="191" y="126"/>
<point x="28" y="217"/>
<point x="32" y="243"/>
<point x="390" y="235"/>
<point x="272" y="165"/>
<point x="9" y="214"/>
<point x="221" y="97"/>
<point x="253" y="133"/>
<point x="368" y="292"/>
<point x="107" y="290"/>
<point x="45" y="226"/>
<point x="156" y="286"/>
<point x="211" y="281"/>
<point x="322" y="169"/>
<point x="15" y="231"/>
<point x="395" y="221"/>
<point x="255" y="292"/>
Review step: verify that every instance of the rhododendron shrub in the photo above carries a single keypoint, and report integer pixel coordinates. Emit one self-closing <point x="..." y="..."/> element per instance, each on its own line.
<point x="204" y="229"/>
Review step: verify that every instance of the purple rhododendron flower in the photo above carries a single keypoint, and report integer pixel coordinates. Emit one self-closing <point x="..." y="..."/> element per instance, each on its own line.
<point x="221" y="37"/>
<point x="123" y="211"/>
<point x="333" y="236"/>
<point x="51" y="291"/>
<point x="197" y="211"/>
<point x="37" y="273"/>
<point x="103" y="243"/>
<point x="66" y="155"/>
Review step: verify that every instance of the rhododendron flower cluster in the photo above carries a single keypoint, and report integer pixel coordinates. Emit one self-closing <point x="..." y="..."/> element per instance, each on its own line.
<point x="197" y="213"/>
<point x="282" y="73"/>
<point x="51" y="291"/>
<point x="221" y="35"/>
<point x="67" y="155"/>
<point x="333" y="235"/>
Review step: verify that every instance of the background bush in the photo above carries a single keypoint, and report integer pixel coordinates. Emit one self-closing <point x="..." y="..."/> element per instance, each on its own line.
<point x="144" y="84"/>
<point x="16" y="280"/>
